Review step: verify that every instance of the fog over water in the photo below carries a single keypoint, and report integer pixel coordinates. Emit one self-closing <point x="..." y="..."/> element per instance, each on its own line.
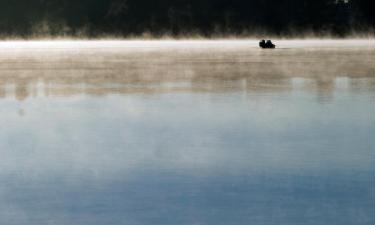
<point x="187" y="132"/>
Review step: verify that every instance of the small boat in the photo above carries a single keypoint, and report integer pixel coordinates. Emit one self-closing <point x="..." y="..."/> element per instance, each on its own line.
<point x="266" y="44"/>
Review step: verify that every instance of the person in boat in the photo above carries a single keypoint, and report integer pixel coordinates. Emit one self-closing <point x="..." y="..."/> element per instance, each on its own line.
<point x="266" y="44"/>
<point x="269" y="44"/>
<point x="262" y="44"/>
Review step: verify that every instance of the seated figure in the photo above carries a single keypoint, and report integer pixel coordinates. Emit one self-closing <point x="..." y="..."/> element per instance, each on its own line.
<point x="262" y="44"/>
<point x="268" y="44"/>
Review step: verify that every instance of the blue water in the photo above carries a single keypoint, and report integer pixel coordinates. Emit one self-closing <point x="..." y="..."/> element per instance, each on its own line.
<point x="189" y="158"/>
<point x="281" y="151"/>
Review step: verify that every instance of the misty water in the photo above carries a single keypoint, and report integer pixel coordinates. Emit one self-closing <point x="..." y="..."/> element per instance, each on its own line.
<point x="187" y="132"/>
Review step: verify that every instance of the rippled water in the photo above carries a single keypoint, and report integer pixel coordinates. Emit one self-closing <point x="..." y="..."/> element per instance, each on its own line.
<point x="187" y="132"/>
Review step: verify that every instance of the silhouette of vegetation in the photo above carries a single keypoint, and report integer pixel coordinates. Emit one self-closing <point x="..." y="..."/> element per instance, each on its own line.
<point x="180" y="17"/>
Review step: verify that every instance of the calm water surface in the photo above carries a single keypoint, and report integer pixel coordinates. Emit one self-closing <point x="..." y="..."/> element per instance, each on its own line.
<point x="188" y="132"/>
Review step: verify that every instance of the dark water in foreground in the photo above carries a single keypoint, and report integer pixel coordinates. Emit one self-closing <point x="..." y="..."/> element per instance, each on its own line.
<point x="192" y="133"/>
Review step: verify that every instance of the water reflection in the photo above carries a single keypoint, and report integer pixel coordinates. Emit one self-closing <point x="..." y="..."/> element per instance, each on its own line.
<point x="228" y="135"/>
<point x="95" y="69"/>
<point x="324" y="88"/>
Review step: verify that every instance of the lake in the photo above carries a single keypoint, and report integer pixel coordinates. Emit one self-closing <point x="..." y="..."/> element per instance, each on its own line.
<point x="187" y="132"/>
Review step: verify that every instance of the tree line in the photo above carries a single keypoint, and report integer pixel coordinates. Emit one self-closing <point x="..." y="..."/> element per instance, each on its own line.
<point x="184" y="17"/>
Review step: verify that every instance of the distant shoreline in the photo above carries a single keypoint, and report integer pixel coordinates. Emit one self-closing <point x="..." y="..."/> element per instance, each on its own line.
<point x="194" y="36"/>
<point x="186" y="39"/>
<point x="228" y="38"/>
